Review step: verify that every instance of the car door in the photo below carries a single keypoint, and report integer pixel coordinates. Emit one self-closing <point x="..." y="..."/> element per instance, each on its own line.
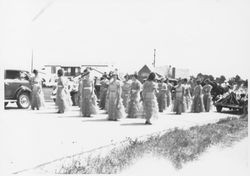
<point x="12" y="82"/>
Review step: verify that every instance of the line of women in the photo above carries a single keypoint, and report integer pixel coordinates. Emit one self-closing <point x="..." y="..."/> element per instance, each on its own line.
<point x="119" y="99"/>
<point x="199" y="102"/>
<point x="134" y="99"/>
<point x="129" y="98"/>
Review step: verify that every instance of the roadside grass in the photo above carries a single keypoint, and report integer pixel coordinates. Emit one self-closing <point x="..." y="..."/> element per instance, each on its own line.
<point x="179" y="146"/>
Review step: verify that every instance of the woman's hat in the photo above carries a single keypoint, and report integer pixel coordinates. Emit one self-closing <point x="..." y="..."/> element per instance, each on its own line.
<point x="105" y="75"/>
<point x="85" y="72"/>
<point x="162" y="79"/>
<point x="114" y="73"/>
<point x="126" y="76"/>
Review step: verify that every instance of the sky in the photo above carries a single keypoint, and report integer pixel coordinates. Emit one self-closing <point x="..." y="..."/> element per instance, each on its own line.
<point x="209" y="36"/>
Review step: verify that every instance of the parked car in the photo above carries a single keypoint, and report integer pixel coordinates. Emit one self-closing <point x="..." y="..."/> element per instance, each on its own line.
<point x="17" y="88"/>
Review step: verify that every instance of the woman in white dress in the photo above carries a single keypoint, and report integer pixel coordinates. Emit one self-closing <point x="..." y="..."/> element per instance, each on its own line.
<point x="37" y="96"/>
<point x="115" y="107"/>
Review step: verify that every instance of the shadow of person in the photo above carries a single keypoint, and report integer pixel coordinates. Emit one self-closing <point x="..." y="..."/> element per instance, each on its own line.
<point x="132" y="124"/>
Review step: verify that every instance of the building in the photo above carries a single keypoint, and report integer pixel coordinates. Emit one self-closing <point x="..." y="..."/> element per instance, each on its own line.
<point x="173" y="72"/>
<point x="145" y="71"/>
<point x="98" y="69"/>
<point x="166" y="71"/>
<point x="182" y="73"/>
<point x="71" y="70"/>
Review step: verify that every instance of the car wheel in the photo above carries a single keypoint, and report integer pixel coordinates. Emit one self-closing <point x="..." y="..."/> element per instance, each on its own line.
<point x="218" y="108"/>
<point x="5" y="104"/>
<point x="23" y="100"/>
<point x="241" y="110"/>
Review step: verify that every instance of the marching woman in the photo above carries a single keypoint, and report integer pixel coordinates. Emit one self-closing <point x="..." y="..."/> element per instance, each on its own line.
<point x="134" y="102"/>
<point x="126" y="92"/>
<point x="150" y="104"/>
<point x="187" y="95"/>
<point x="62" y="94"/>
<point x="206" y="90"/>
<point x="197" y="105"/>
<point x="169" y="93"/>
<point x="88" y="98"/>
<point x="103" y="91"/>
<point x="79" y="93"/>
<point x="115" y="108"/>
<point x="179" y="98"/>
<point x="37" y="96"/>
<point x="162" y="95"/>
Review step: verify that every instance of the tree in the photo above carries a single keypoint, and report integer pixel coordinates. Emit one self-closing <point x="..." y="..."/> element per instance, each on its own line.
<point x="246" y="83"/>
<point x="231" y="81"/>
<point x="237" y="78"/>
<point x="211" y="77"/>
<point x="222" y="79"/>
<point x="217" y="79"/>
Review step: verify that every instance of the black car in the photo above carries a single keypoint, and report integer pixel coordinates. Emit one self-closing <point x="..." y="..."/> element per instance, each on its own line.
<point x="17" y="88"/>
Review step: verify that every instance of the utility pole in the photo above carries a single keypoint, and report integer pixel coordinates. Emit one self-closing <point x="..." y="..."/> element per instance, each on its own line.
<point x="32" y="56"/>
<point x="154" y="57"/>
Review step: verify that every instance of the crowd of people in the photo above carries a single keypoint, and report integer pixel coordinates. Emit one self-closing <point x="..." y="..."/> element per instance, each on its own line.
<point x="128" y="97"/>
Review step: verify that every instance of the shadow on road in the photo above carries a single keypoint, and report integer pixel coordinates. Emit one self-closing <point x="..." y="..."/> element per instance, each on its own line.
<point x="15" y="108"/>
<point x="231" y="112"/>
<point x="69" y="116"/>
<point x="41" y="112"/>
<point x="133" y="124"/>
<point x="170" y="113"/>
<point x="92" y="119"/>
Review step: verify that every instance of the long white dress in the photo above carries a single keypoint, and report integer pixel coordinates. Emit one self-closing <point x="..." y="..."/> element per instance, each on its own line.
<point x="115" y="107"/>
<point x="150" y="104"/>
<point x="37" y="96"/>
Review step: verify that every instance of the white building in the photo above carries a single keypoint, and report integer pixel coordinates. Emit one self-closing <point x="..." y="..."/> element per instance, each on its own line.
<point x="182" y="73"/>
<point x="172" y="72"/>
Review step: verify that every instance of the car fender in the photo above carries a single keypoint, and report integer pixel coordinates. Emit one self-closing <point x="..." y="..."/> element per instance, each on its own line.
<point x="22" y="89"/>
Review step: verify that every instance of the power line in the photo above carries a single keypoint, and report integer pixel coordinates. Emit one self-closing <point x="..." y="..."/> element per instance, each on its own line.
<point x="42" y="11"/>
<point x="35" y="18"/>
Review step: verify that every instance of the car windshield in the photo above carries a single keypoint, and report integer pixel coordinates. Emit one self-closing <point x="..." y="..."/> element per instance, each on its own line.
<point x="12" y="74"/>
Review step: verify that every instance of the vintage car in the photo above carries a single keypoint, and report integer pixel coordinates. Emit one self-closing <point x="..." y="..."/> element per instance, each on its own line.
<point x="17" y="88"/>
<point x="233" y="101"/>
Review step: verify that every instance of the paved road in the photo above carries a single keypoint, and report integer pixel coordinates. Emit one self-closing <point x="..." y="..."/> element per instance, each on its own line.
<point x="29" y="138"/>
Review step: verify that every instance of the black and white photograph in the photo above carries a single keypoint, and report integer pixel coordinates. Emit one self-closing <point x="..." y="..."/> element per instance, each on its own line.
<point x="135" y="87"/>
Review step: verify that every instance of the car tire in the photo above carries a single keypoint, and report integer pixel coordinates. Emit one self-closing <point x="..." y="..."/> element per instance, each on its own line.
<point x="241" y="111"/>
<point x="5" y="104"/>
<point x="23" y="100"/>
<point x="218" y="108"/>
